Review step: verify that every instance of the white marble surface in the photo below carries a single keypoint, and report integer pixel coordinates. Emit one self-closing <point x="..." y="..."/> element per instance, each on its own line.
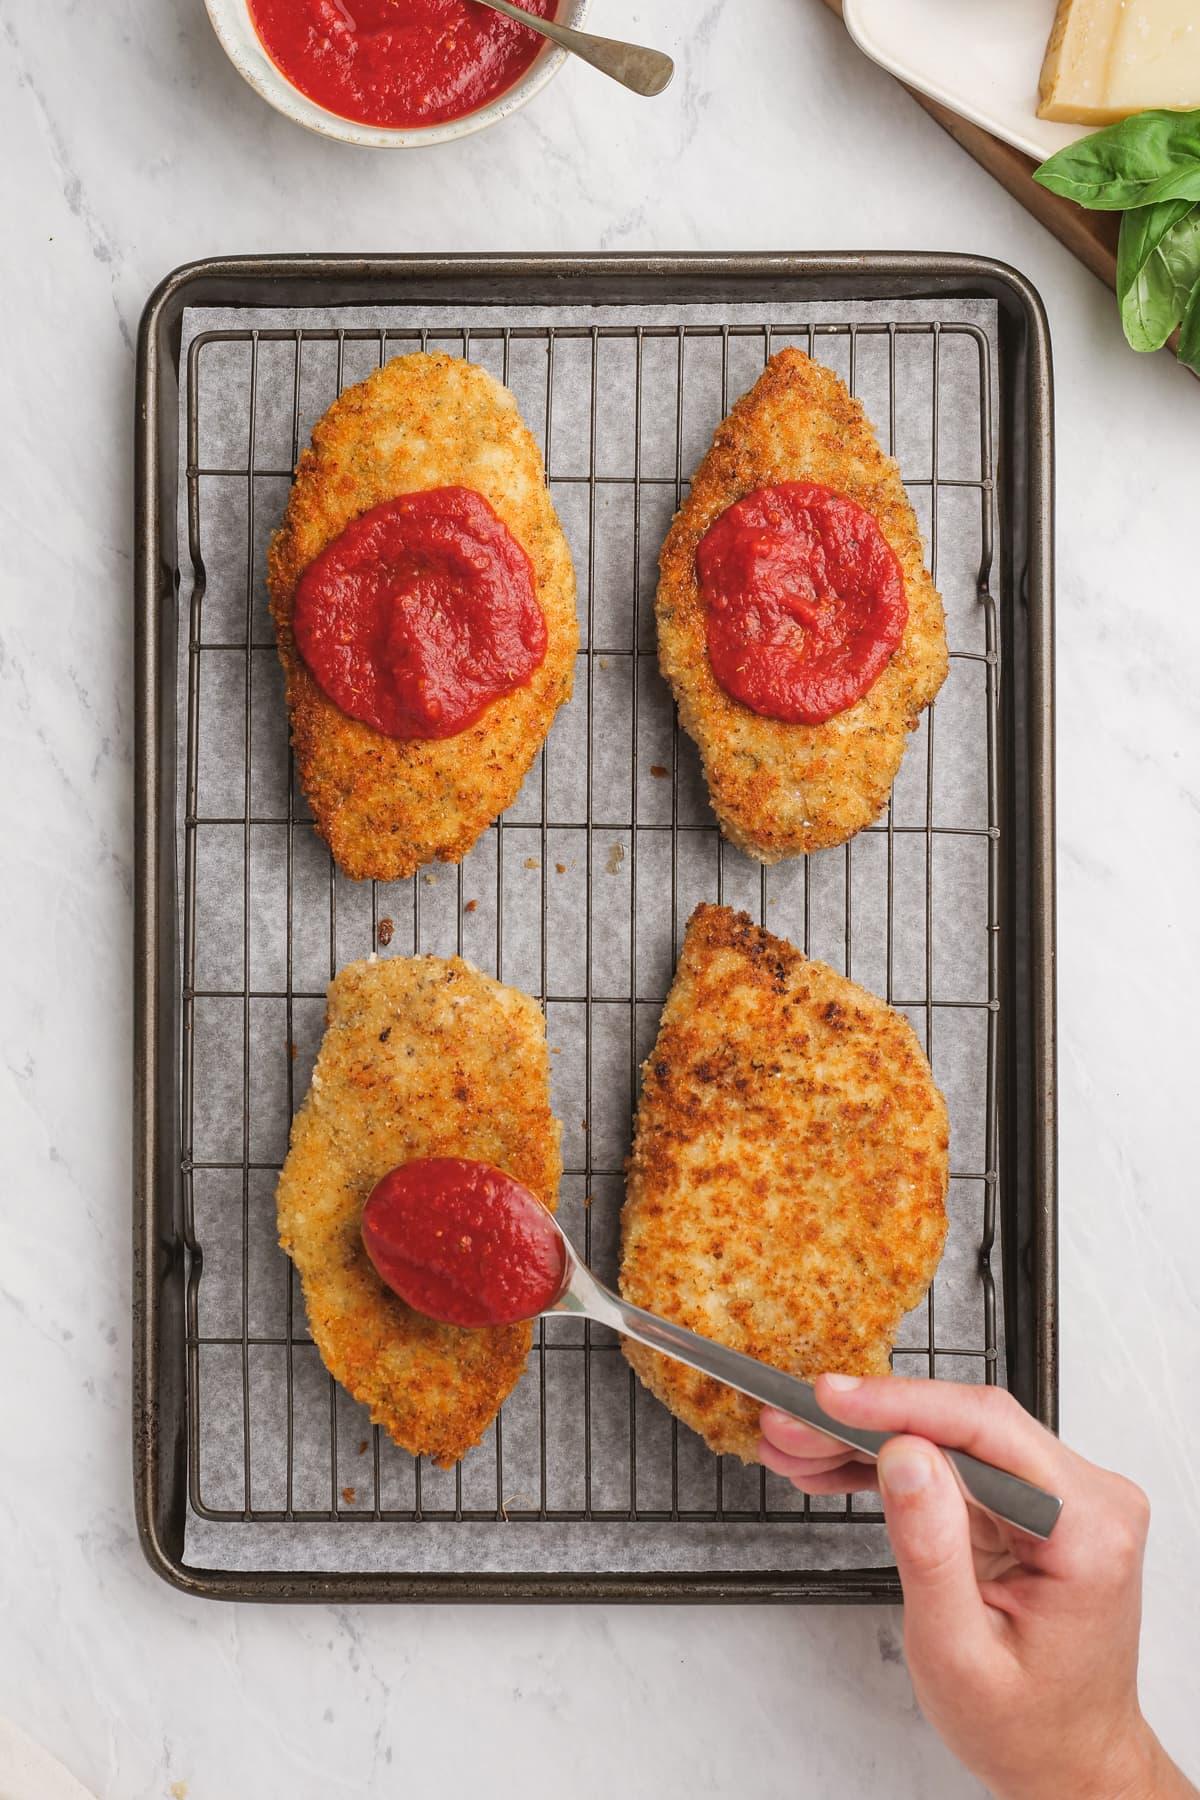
<point x="128" y="146"/>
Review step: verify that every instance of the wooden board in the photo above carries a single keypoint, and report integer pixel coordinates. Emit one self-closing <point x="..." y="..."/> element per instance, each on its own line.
<point x="1092" y="237"/>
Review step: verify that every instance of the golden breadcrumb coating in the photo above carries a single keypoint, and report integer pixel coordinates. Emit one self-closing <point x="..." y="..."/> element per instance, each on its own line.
<point x="779" y="789"/>
<point x="786" y="1191"/>
<point x="421" y="1057"/>
<point x="387" y="805"/>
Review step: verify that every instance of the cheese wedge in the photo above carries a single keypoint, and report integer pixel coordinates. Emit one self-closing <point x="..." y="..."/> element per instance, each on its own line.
<point x="1109" y="58"/>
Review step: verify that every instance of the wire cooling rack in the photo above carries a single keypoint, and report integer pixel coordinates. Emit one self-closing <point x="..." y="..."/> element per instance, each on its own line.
<point x="578" y="894"/>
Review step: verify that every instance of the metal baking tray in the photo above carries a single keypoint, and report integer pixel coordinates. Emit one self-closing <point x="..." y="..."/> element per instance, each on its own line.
<point x="1013" y="488"/>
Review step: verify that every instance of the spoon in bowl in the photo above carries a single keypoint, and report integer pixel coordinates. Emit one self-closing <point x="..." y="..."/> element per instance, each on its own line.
<point x="463" y="1242"/>
<point x="644" y="71"/>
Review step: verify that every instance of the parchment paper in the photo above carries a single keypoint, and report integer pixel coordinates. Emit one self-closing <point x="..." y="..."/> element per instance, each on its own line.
<point x="249" y="1049"/>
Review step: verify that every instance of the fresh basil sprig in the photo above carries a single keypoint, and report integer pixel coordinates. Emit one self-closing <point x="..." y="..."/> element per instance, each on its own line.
<point x="1189" y="332"/>
<point x="1150" y="157"/>
<point x="1158" y="266"/>
<point x="1147" y="167"/>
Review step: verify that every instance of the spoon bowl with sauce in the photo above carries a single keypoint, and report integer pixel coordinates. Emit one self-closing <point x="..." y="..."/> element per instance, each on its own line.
<point x="390" y="74"/>
<point x="465" y="1243"/>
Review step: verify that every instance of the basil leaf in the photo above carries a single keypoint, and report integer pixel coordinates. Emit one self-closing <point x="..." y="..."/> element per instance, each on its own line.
<point x="1189" y="335"/>
<point x="1150" y="157"/>
<point x="1142" y="230"/>
<point x="1156" y="290"/>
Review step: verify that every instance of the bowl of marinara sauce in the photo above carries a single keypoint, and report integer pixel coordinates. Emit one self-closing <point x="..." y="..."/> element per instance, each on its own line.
<point x="390" y="74"/>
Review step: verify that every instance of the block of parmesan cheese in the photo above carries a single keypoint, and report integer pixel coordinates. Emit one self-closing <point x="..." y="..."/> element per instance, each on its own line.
<point x="1109" y="58"/>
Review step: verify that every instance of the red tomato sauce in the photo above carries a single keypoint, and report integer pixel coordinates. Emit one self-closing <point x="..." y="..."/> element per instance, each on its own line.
<point x="420" y="614"/>
<point x="397" y="62"/>
<point x="804" y="599"/>
<point x="463" y="1242"/>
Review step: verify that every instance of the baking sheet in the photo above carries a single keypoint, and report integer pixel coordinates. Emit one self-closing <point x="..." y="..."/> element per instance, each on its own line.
<point x="247" y="1302"/>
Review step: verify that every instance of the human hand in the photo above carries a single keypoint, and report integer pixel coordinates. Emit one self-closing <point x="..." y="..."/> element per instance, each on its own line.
<point x="1023" y="1654"/>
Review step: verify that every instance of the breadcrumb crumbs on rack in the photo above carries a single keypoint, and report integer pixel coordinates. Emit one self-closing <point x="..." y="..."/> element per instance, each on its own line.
<point x="384" y="932"/>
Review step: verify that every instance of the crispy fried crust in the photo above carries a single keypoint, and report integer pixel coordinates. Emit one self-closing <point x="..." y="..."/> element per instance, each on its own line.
<point x="779" y="789"/>
<point x="384" y="805"/>
<point x="421" y="1057"/>
<point x="786" y="1191"/>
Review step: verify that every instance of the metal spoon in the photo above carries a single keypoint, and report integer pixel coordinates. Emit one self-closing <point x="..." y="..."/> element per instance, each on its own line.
<point x="645" y="71"/>
<point x="1006" y="1497"/>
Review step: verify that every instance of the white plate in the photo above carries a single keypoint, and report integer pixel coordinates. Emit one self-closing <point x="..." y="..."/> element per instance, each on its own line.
<point x="241" y="43"/>
<point x="981" y="58"/>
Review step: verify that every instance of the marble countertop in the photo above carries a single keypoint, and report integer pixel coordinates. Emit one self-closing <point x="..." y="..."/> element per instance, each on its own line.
<point x="129" y="146"/>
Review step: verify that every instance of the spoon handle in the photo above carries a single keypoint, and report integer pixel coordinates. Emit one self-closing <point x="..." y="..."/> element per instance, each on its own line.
<point x="1006" y="1497"/>
<point x="644" y="71"/>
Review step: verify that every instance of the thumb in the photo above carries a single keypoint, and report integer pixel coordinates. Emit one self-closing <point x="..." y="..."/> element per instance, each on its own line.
<point x="931" y="1539"/>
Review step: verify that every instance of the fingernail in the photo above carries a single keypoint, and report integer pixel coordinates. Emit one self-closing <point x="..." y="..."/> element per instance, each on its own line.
<point x="842" y="1384"/>
<point x="903" y="1471"/>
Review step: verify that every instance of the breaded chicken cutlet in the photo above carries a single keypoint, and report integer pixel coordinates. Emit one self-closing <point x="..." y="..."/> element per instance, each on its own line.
<point x="386" y="805"/>
<point x="786" y="1189"/>
<point x="780" y="788"/>
<point x="421" y="1057"/>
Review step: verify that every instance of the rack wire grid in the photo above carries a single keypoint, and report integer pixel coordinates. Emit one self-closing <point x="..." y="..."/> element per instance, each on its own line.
<point x="580" y="894"/>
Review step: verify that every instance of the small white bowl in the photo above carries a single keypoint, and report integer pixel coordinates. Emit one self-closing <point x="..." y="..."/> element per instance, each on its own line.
<point x="241" y="43"/>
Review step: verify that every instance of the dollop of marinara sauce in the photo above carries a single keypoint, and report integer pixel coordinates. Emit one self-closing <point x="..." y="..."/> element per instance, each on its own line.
<point x="804" y="600"/>
<point x="397" y="62"/>
<point x="463" y="1242"/>
<point x="420" y="614"/>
